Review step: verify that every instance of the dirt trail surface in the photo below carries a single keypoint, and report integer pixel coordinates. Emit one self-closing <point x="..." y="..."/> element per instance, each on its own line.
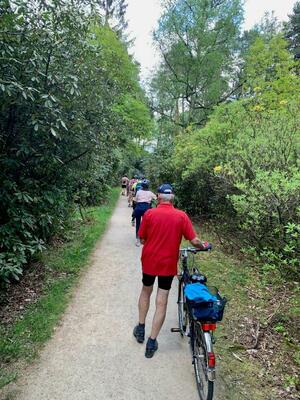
<point x="93" y="354"/>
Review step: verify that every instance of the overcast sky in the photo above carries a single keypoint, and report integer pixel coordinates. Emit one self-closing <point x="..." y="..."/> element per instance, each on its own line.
<point x="143" y="16"/>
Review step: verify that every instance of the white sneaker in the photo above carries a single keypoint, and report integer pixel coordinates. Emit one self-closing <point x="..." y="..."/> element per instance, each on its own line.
<point x="138" y="243"/>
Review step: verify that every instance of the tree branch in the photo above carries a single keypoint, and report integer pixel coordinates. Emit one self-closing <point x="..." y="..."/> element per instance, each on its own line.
<point x="76" y="157"/>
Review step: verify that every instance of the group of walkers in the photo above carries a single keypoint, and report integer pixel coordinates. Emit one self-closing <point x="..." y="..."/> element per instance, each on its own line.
<point x="160" y="232"/>
<point x="140" y="198"/>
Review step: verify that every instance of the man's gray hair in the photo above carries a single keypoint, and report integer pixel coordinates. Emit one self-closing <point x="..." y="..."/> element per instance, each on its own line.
<point x="166" y="197"/>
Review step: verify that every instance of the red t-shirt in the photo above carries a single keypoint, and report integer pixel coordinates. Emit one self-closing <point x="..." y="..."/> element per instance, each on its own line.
<point x="162" y="229"/>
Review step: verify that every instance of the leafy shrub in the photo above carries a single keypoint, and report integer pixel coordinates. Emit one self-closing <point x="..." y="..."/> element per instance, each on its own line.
<point x="67" y="91"/>
<point x="243" y="166"/>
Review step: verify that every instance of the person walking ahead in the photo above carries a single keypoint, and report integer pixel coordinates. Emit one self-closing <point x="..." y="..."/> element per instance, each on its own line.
<point x="124" y="183"/>
<point x="161" y="233"/>
<point x="143" y="199"/>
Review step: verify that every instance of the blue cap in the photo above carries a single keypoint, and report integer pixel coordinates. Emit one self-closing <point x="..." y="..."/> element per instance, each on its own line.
<point x="165" y="188"/>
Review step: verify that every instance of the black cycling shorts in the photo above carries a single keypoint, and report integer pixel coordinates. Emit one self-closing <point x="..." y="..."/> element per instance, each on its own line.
<point x="164" y="282"/>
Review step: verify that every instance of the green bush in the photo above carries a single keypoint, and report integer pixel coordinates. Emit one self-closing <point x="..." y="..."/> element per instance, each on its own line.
<point x="242" y="168"/>
<point x="67" y="91"/>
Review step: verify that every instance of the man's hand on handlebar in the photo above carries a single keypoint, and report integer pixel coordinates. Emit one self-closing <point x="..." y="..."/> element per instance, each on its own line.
<point x="196" y="242"/>
<point x="207" y="245"/>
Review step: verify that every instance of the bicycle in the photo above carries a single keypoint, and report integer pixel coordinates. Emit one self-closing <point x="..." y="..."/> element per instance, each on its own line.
<point x="200" y="332"/>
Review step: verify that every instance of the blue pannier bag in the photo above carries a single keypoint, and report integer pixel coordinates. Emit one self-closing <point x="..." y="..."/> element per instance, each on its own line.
<point x="204" y="305"/>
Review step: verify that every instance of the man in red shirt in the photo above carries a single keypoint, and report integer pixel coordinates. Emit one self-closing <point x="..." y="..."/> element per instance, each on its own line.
<point x="161" y="233"/>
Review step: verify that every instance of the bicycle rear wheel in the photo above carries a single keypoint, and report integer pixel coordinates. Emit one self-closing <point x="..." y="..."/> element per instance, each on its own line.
<point x="182" y="310"/>
<point x="200" y="360"/>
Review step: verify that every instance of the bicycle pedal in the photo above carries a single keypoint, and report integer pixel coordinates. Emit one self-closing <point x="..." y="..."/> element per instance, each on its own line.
<point x="175" y="330"/>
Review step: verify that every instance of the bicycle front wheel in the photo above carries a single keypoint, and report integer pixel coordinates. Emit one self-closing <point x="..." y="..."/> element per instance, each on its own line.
<point x="205" y="386"/>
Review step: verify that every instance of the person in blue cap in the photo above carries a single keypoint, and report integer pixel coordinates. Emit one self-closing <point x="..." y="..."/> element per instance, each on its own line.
<point x="161" y="232"/>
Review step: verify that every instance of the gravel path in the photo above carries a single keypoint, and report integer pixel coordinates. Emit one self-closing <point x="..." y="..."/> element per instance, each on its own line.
<point x="93" y="355"/>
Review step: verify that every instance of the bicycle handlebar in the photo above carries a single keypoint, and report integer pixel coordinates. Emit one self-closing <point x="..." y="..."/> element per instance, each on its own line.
<point x="193" y="250"/>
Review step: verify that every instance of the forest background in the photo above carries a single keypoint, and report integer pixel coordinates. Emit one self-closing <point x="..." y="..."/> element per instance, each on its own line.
<point x="220" y="122"/>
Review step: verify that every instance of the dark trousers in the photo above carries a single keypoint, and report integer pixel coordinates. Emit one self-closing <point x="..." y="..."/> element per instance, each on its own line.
<point x="139" y="211"/>
<point x="133" y="215"/>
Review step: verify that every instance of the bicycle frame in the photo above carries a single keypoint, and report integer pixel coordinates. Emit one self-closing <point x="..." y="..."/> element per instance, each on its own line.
<point x="184" y="262"/>
<point x="205" y="329"/>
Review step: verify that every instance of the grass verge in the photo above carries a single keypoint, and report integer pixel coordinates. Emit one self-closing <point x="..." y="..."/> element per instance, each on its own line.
<point x="21" y="341"/>
<point x="256" y="343"/>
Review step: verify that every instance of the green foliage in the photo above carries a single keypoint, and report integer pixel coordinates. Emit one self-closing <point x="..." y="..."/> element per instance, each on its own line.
<point x="157" y="164"/>
<point x="67" y="92"/>
<point x="292" y="30"/>
<point x="198" y="41"/>
<point x="135" y="117"/>
<point x="268" y="68"/>
<point x="243" y="166"/>
<point x="251" y="299"/>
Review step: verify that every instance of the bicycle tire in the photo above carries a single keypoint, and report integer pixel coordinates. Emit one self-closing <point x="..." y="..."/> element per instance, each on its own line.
<point x="182" y="311"/>
<point x="204" y="386"/>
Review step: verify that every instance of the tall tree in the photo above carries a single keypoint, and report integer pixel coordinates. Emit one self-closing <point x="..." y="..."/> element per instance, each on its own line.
<point x="268" y="27"/>
<point x="198" y="41"/>
<point x="114" y="14"/>
<point x="292" y="28"/>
